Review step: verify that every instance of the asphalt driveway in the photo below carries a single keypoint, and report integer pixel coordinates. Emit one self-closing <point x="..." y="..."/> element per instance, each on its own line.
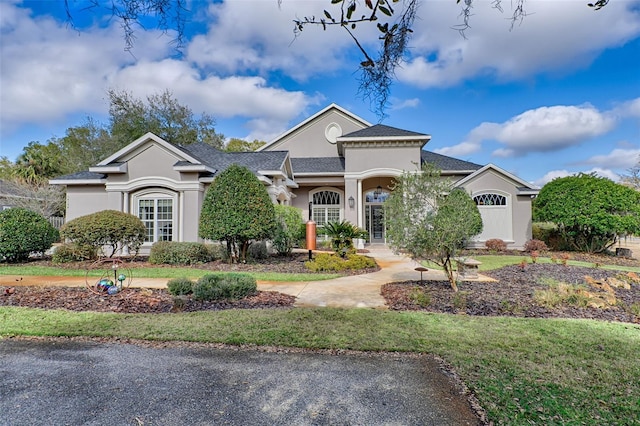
<point x="70" y="382"/>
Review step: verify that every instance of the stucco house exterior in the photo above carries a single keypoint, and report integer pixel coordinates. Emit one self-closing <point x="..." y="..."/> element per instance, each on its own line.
<point x="334" y="163"/>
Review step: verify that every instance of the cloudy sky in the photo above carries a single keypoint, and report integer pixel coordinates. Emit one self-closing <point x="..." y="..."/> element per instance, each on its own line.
<point x="558" y="93"/>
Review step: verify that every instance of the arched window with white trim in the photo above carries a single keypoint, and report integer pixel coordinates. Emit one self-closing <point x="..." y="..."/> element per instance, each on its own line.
<point x="157" y="210"/>
<point x="326" y="205"/>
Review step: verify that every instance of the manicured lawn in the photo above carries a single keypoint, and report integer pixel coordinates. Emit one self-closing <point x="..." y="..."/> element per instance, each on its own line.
<point x="490" y="262"/>
<point x="523" y="371"/>
<point x="167" y="272"/>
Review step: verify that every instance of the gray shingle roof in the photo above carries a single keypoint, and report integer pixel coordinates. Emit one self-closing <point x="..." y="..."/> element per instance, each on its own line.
<point x="446" y="163"/>
<point x="85" y="175"/>
<point x="318" y="165"/>
<point x="380" y="130"/>
<point x="220" y="160"/>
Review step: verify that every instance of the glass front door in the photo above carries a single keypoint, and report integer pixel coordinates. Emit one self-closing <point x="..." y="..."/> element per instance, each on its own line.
<point x="374" y="221"/>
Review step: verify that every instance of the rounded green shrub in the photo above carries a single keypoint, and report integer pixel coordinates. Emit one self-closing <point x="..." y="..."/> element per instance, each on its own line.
<point x="23" y="232"/>
<point x="109" y="229"/>
<point x="224" y="286"/>
<point x="180" y="286"/>
<point x="179" y="253"/>
<point x="331" y="262"/>
<point x="73" y="253"/>
<point x="258" y="251"/>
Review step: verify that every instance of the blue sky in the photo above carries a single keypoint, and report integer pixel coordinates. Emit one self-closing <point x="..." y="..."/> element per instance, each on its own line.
<point x="557" y="94"/>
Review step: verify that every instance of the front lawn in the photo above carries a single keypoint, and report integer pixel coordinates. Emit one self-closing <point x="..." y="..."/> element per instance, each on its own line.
<point x="523" y="371"/>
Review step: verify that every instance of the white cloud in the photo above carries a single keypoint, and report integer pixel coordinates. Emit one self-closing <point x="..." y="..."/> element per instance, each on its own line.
<point x="398" y="104"/>
<point x="556" y="35"/>
<point x="554" y="174"/>
<point x="628" y="109"/>
<point x="616" y="159"/>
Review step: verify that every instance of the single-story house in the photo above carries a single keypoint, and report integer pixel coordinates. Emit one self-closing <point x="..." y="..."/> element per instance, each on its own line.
<point x="334" y="164"/>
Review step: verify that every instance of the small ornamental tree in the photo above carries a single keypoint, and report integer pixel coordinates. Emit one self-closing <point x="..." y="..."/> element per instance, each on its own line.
<point x="237" y="210"/>
<point x="23" y="232"/>
<point x="429" y="219"/>
<point x="108" y="229"/>
<point x="590" y="211"/>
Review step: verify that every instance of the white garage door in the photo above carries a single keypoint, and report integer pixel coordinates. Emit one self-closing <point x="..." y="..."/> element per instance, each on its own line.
<point x="495" y="210"/>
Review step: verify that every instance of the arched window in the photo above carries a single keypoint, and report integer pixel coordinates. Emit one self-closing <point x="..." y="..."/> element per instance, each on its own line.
<point x="326" y="206"/>
<point x="490" y="200"/>
<point x="157" y="210"/>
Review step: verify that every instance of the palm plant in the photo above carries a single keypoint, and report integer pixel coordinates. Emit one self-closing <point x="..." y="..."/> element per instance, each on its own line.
<point x="342" y="235"/>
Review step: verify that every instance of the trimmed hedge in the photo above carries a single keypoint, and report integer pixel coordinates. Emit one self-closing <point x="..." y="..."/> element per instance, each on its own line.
<point x="73" y="253"/>
<point x="180" y="253"/>
<point x="23" y="232"/>
<point x="224" y="286"/>
<point x="180" y="286"/>
<point x="107" y="228"/>
<point x="331" y="262"/>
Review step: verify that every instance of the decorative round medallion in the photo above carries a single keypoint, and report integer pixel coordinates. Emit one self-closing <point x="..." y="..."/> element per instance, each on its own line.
<point x="333" y="132"/>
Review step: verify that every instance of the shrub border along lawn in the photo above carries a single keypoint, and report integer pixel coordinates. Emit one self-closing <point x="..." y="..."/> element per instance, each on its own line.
<point x="523" y="371"/>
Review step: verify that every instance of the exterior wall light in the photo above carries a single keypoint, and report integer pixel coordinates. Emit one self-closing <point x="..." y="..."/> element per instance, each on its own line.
<point x="352" y="202"/>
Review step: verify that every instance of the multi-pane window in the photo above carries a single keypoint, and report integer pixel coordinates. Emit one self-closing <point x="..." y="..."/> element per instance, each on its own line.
<point x="327" y="207"/>
<point x="490" y="200"/>
<point x="157" y="216"/>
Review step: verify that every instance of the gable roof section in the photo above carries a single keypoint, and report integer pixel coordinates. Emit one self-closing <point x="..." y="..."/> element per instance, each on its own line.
<point x="524" y="188"/>
<point x="254" y="161"/>
<point x="381" y="131"/>
<point x="314" y="117"/>
<point x="318" y="165"/>
<point x="448" y="164"/>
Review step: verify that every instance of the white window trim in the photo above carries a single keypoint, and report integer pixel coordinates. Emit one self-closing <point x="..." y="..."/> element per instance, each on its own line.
<point x="158" y="194"/>
<point x="325" y="206"/>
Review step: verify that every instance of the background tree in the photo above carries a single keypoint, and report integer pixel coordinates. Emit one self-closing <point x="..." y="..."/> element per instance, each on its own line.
<point x="163" y="115"/>
<point x="237" y="210"/>
<point x="240" y="145"/>
<point x="39" y="162"/>
<point x="289" y="228"/>
<point x="39" y="197"/>
<point x="632" y="180"/>
<point x="428" y="219"/>
<point x="591" y="212"/>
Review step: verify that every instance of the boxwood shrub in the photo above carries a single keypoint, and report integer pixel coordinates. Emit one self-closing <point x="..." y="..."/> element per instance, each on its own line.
<point x="224" y="286"/>
<point x="73" y="253"/>
<point x="23" y="232"/>
<point x="331" y="262"/>
<point x="180" y="253"/>
<point x="180" y="286"/>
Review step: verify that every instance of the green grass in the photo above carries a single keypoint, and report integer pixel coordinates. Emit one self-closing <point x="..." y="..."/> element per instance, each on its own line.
<point x="166" y="272"/>
<point x="523" y="371"/>
<point x="490" y="262"/>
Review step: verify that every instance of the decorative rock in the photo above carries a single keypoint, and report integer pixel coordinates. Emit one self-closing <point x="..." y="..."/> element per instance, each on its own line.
<point x="624" y="252"/>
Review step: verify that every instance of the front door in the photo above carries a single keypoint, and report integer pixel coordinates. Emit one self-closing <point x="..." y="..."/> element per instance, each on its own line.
<point x="374" y="218"/>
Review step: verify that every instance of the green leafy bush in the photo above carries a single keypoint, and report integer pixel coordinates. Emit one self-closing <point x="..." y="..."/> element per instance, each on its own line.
<point x="342" y="235"/>
<point x="180" y="286"/>
<point x="180" y="253"/>
<point x="224" y="286"/>
<point x="106" y="229"/>
<point x="331" y="262"/>
<point x="73" y="253"/>
<point x="290" y="229"/>
<point x="23" y="232"/>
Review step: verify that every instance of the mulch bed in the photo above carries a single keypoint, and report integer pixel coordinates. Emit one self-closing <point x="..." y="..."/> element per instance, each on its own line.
<point x="513" y="294"/>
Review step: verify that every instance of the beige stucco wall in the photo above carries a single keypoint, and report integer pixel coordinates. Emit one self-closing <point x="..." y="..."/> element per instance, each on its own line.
<point x="359" y="159"/>
<point x="151" y="160"/>
<point x="490" y="181"/>
<point x="310" y="140"/>
<point x="84" y="200"/>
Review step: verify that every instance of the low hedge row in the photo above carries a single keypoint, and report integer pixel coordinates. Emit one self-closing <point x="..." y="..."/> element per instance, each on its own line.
<point x="331" y="262"/>
<point x="215" y="286"/>
<point x="184" y="253"/>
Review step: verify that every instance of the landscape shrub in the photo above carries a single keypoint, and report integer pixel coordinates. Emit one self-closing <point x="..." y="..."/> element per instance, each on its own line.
<point x="106" y="229"/>
<point x="258" y="251"/>
<point x="535" y="245"/>
<point x="496" y="244"/>
<point x="288" y="232"/>
<point x="23" y="232"/>
<point x="73" y="253"/>
<point x="180" y="286"/>
<point x="331" y="262"/>
<point x="342" y="235"/>
<point x="548" y="233"/>
<point x="224" y="286"/>
<point x="179" y="253"/>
